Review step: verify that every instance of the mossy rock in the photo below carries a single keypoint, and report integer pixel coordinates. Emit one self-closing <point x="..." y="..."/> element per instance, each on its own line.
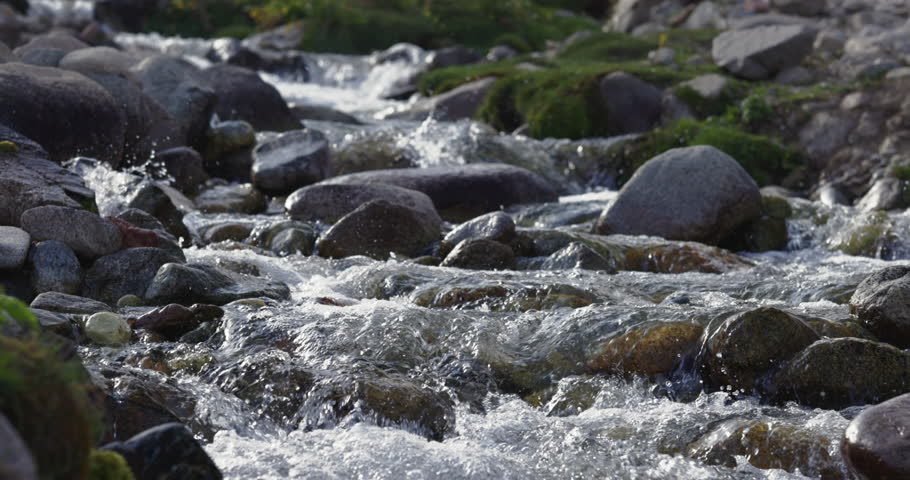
<point x="871" y="236"/>
<point x="651" y="350"/>
<point x="108" y="465"/>
<point x="7" y="146"/>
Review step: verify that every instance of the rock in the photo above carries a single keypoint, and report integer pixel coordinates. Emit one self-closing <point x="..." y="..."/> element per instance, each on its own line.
<point x="231" y="231"/>
<point x="227" y="137"/>
<point x="59" y="40"/>
<point x="163" y="203"/>
<point x="245" y="54"/>
<point x="87" y="234"/>
<point x="747" y="349"/>
<point x="294" y="240"/>
<point x="107" y="328"/>
<point x="377" y="229"/>
<point x="133" y="236"/>
<point x="453" y="56"/>
<point x="465" y="191"/>
<point x="761" y="52"/>
<point x="167" y="451"/>
<point x="805" y="8"/>
<point x="174" y="320"/>
<point x="54" y="268"/>
<point x="322" y="114"/>
<point x="328" y="203"/>
<point x="706" y="15"/>
<point x="459" y="103"/>
<point x="578" y="255"/>
<point x="499" y="53"/>
<point x="43" y="57"/>
<point x="241" y="198"/>
<point x="202" y="283"/>
<point x="184" y="167"/>
<point x="242" y="95"/>
<point x="628" y="14"/>
<point x="502" y="298"/>
<point x="842" y="372"/>
<point x="128" y="272"/>
<point x="710" y="86"/>
<point x="64" y="303"/>
<point x="656" y="202"/>
<point x="128" y="301"/>
<point x="875" y="444"/>
<point x="495" y="226"/>
<point x="14" y="243"/>
<point x="882" y="304"/>
<point x="126" y="15"/>
<point x="101" y="60"/>
<point x="16" y="462"/>
<point x="57" y="323"/>
<point x="797" y="75"/>
<point x="290" y="161"/>
<point x="887" y="193"/>
<point x="650" y="350"/>
<point x="480" y="254"/>
<point x="632" y="105"/>
<point x="51" y="106"/>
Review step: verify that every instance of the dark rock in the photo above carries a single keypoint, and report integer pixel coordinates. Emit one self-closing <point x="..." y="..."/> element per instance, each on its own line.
<point x="99" y="60"/>
<point x="322" y="114"/>
<point x="163" y="203"/>
<point x="63" y="303"/>
<point x="480" y="254"/>
<point x="241" y="198"/>
<point x="747" y="349"/>
<point x="463" y="192"/>
<point x="658" y="200"/>
<point x="89" y="235"/>
<point x="495" y="226"/>
<point x="184" y="167"/>
<point x="51" y="106"/>
<point x="167" y="451"/>
<point x="126" y="15"/>
<point x="842" y="372"/>
<point x="57" y="323"/>
<point x="501" y="52"/>
<point x="134" y="237"/>
<point x="230" y="232"/>
<point x="201" y="283"/>
<point x="290" y="161"/>
<point x="882" y="304"/>
<point x="453" y="56"/>
<point x="128" y="272"/>
<point x="377" y="229"/>
<point x="241" y="54"/>
<point x="174" y="320"/>
<point x="43" y="57"/>
<point x="459" y="103"/>
<point x="328" y="203"/>
<point x="650" y="350"/>
<point x="762" y="52"/>
<point x="54" y="268"/>
<point x="578" y="255"/>
<point x="56" y="40"/>
<point x="805" y="8"/>
<point x="875" y="444"/>
<point x="294" y="240"/>
<point x="14" y="243"/>
<point x="243" y="95"/>
<point x="632" y="105"/>
<point x="16" y="462"/>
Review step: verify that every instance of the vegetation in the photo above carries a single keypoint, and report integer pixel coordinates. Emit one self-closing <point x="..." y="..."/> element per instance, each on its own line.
<point x="107" y="465"/>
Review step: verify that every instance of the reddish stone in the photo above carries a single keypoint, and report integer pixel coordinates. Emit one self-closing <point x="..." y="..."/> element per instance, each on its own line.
<point x="133" y="236"/>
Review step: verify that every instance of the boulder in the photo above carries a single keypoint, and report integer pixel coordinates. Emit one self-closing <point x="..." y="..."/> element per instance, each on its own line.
<point x="456" y="104"/>
<point x="465" y="191"/>
<point x="632" y="105"/>
<point x="377" y="229"/>
<point x="578" y="255"/>
<point x="876" y="443"/>
<point x="63" y="303"/>
<point x="237" y="198"/>
<point x="107" y="328"/>
<point x="882" y="304"/>
<point x="450" y="57"/>
<point x="14" y="243"/>
<point x="762" y="52"/>
<point x="628" y="14"/>
<point x="495" y="226"/>
<point x="291" y="160"/>
<point x="89" y="235"/>
<point x="328" y="203"/>
<point x="659" y="201"/>
<point x="43" y="57"/>
<point x="651" y="350"/>
<point x="99" y="60"/>
<point x="242" y="95"/>
<point x="167" y="451"/>
<point x="53" y="107"/>
<point x="202" y="283"/>
<point x="480" y="254"/>
<point x="128" y="272"/>
<point x="126" y="15"/>
<point x="174" y="320"/>
<point x="54" y="268"/>
<point x="184" y="167"/>
<point x="58" y="40"/>
<point x="163" y="203"/>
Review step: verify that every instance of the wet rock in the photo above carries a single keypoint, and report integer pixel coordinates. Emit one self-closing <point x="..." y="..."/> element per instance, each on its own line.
<point x="761" y="52"/>
<point x="322" y="114"/>
<point x="463" y="192"/>
<point x="459" y="103"/>
<point x="328" y="203"/>
<point x="578" y="255"/>
<point x="59" y="40"/>
<point x="54" y="268"/>
<point x="294" y="240"/>
<point x="128" y="272"/>
<point x="242" y="95"/>
<point x="500" y="52"/>
<point x="655" y="202"/>
<point x="875" y="444"/>
<point x="377" y="229"/>
<point x="43" y="57"/>
<point x="495" y="226"/>
<point x="14" y="243"/>
<point x="230" y="231"/>
<point x="453" y="56"/>
<point x="228" y="150"/>
<point x="632" y="105"/>
<point x="628" y="14"/>
<point x="480" y="254"/>
<point x="64" y="303"/>
<point x="101" y="60"/>
<point x="290" y="161"/>
<point x="238" y="198"/>
<point x="51" y="106"/>
<point x="887" y="193"/>
<point x="842" y="372"/>
<point x="882" y="304"/>
<point x="650" y="350"/>
<point x="747" y="349"/>
<point x="107" y="328"/>
<point x="164" y="204"/>
<point x="202" y="283"/>
<point x="57" y="323"/>
<point x="172" y="321"/>
<point x="89" y="235"/>
<point x="167" y="451"/>
<point x="185" y="168"/>
<point x="504" y="298"/>
<point x="16" y="462"/>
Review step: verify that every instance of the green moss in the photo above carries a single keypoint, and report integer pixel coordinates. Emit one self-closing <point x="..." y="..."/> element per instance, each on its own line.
<point x="515" y="41"/>
<point x="108" y="465"/>
<point x="703" y="107"/>
<point x="12" y="310"/>
<point x="608" y="47"/>
<point x="7" y="146"/>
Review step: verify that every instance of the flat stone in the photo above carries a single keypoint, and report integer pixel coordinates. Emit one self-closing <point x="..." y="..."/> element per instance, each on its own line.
<point x="63" y="303"/>
<point x="87" y="234"/>
<point x="14" y="243"/>
<point x="761" y="52"/>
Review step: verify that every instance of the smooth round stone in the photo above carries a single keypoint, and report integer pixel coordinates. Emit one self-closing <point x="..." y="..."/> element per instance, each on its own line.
<point x="13" y="247"/>
<point x="876" y="444"/>
<point x="130" y="301"/>
<point x="107" y="329"/>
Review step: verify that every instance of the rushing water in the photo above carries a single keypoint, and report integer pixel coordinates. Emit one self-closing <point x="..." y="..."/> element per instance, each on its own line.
<point x="359" y="318"/>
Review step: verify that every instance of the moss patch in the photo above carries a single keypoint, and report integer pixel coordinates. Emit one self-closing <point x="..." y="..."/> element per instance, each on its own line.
<point x="108" y="465"/>
<point x="7" y="146"/>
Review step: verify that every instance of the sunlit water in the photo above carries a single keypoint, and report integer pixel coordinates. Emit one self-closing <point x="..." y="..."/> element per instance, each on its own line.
<point x="363" y="317"/>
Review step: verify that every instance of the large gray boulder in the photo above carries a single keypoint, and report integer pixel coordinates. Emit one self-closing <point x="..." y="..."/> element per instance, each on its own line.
<point x="13" y="247"/>
<point x="128" y="272"/>
<point x="632" y="105"/>
<point x="242" y="95"/>
<point x="378" y="229"/>
<point x="695" y="193"/>
<point x="480" y="254"/>
<point x="65" y="112"/>
<point x="876" y="443"/>
<point x="203" y="283"/>
<point x="882" y="304"/>
<point x="464" y="191"/>
<point x="762" y="52"/>
<point x="328" y="203"/>
<point x="89" y="235"/>
<point x="99" y="60"/>
<point x="290" y="161"/>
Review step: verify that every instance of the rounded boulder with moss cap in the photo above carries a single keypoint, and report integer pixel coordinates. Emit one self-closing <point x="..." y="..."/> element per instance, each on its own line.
<point x="695" y="193"/>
